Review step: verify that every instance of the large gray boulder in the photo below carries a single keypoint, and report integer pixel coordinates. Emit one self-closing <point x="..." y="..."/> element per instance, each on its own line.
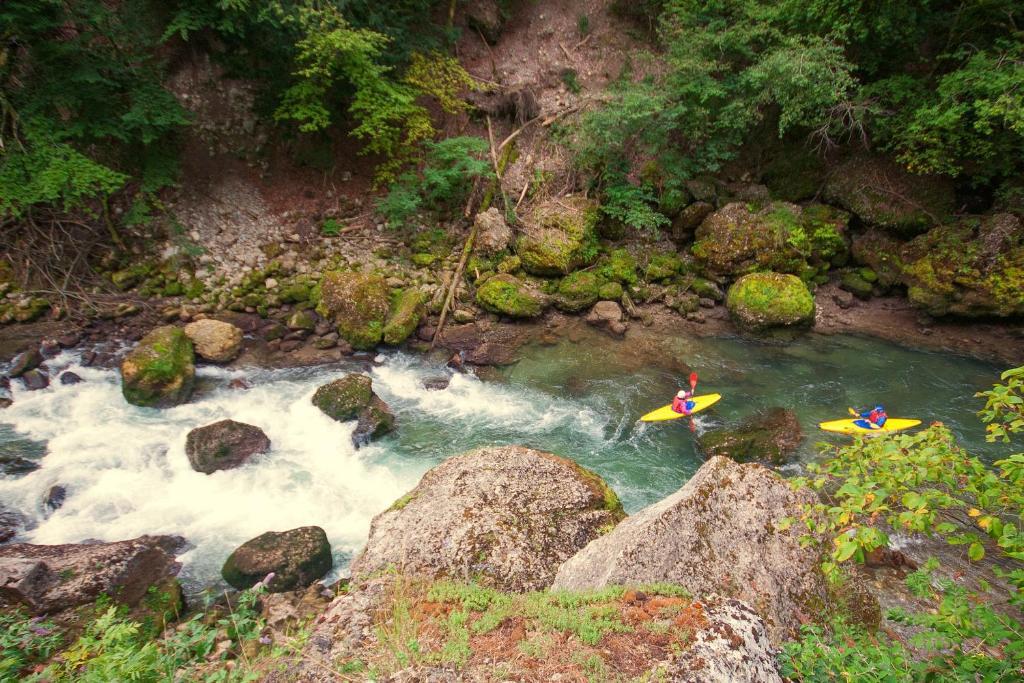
<point x="719" y="534"/>
<point x="493" y="234"/>
<point x="215" y="340"/>
<point x="224" y="445"/>
<point x="296" y="558"/>
<point x="506" y="516"/>
<point x="47" y="579"/>
<point x="733" y="647"/>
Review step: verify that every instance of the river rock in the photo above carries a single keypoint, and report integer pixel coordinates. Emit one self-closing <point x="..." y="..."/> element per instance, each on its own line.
<point x="357" y="303"/>
<point x="35" y="380"/>
<point x="732" y="647"/>
<point x="52" y="578"/>
<point x="719" y="534"/>
<point x="215" y="340"/>
<point x="493" y="235"/>
<point x="607" y="315"/>
<point x="577" y="292"/>
<point x="25" y="361"/>
<point x="302" y="320"/>
<point x="406" y="314"/>
<point x="882" y="192"/>
<point x="352" y="398"/>
<point x="13" y="465"/>
<point x="11" y="524"/>
<point x="508" y="295"/>
<point x="224" y="445"/>
<point x="55" y="497"/>
<point x="505" y="516"/>
<point x="296" y="558"/>
<point x="760" y="301"/>
<point x="70" y="378"/>
<point x="159" y="372"/>
<point x="558" y="236"/>
<point x="768" y="436"/>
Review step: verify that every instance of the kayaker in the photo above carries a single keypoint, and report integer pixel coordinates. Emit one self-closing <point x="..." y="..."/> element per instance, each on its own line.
<point x="682" y="403"/>
<point x="872" y="419"/>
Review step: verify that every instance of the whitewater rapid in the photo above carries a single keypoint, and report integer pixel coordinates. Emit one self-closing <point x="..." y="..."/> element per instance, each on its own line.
<point x="126" y="472"/>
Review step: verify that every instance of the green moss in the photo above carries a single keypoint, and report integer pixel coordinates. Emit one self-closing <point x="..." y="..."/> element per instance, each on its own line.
<point x="358" y="303"/>
<point x="560" y="237"/>
<point x="343" y="399"/>
<point x="620" y="267"/>
<point x="403" y="501"/>
<point x="507" y="295"/>
<point x="423" y="260"/>
<point x="763" y="300"/>
<point x="663" y="266"/>
<point x="510" y="265"/>
<point x="578" y="291"/>
<point x="852" y="282"/>
<point x="407" y="311"/>
<point x="160" y="371"/>
<point x="611" y="291"/>
<point x="296" y="292"/>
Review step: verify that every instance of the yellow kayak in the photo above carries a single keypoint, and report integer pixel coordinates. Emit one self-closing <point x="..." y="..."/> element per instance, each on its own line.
<point x="848" y="426"/>
<point x="666" y="412"/>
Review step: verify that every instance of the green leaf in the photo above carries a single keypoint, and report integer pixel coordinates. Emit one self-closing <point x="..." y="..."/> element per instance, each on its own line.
<point x="975" y="551"/>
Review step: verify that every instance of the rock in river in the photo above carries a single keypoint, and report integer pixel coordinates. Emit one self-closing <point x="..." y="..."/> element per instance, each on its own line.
<point x="721" y="533"/>
<point x="160" y="371"/>
<point x="215" y="340"/>
<point x="25" y="361"/>
<point x="769" y="436"/>
<point x="760" y="301"/>
<point x="506" y="516"/>
<point x="296" y="558"/>
<point x="224" y="445"/>
<point x="352" y="398"/>
<point x="357" y="303"/>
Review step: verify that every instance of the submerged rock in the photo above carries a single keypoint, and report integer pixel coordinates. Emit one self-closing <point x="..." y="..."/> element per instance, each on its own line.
<point x="720" y="533"/>
<point x="768" y="436"/>
<point x="406" y="313"/>
<point x="508" y="295"/>
<point x="55" y="497"/>
<point x="35" y="380"/>
<point x="13" y="465"/>
<point x="357" y="303"/>
<point x="52" y="578"/>
<point x="160" y="371"/>
<point x="764" y="300"/>
<point x="352" y="398"/>
<point x="215" y="340"/>
<point x="607" y="315"/>
<point x="505" y="516"/>
<point x="224" y="445"/>
<point x="296" y="558"/>
<point x="559" y="236"/>
<point x="70" y="378"/>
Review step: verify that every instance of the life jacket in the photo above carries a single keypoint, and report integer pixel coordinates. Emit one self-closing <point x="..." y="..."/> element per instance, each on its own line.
<point x="680" y="405"/>
<point x="878" y="417"/>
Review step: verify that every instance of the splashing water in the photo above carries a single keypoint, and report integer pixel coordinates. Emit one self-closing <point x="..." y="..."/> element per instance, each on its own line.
<point x="127" y="474"/>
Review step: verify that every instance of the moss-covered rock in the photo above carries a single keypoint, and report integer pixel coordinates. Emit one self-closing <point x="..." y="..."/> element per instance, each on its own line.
<point x="129" y="277"/>
<point x="508" y="295"/>
<point x="972" y="268"/>
<point x="296" y="558"/>
<point x="760" y="301"/>
<point x="577" y="291"/>
<point x="407" y="311"/>
<point x="739" y="239"/>
<point x="559" y="236"/>
<point x="619" y="266"/>
<point x="883" y="193"/>
<point x="352" y="398"/>
<point x="704" y="288"/>
<point x="510" y="264"/>
<point x="160" y="371"/>
<point x="853" y="283"/>
<point x="423" y="260"/>
<point x="357" y="303"/>
<point x="296" y="292"/>
<point x="663" y="266"/>
<point x="611" y="291"/>
<point x="768" y="436"/>
<point x="880" y="251"/>
<point x="302" y="320"/>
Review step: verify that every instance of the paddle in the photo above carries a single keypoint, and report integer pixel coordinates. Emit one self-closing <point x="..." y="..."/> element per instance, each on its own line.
<point x="693" y="381"/>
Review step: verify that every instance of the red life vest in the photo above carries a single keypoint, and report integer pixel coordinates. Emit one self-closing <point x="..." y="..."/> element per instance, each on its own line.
<point x="679" y="405"/>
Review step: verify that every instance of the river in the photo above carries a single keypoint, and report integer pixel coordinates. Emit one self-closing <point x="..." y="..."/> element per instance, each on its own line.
<point x="126" y="472"/>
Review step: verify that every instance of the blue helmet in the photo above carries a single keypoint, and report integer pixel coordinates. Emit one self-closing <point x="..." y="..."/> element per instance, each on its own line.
<point x="879" y="408"/>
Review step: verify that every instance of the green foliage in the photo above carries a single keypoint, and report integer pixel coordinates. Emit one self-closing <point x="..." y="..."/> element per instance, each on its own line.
<point x="910" y="479"/>
<point x="958" y="639"/>
<point x="330" y="228"/>
<point x="1004" y="406"/>
<point x="444" y="181"/>
<point x="24" y="641"/>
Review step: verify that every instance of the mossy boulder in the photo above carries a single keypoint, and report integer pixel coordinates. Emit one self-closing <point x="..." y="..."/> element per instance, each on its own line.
<point x="578" y="291"/>
<point x="352" y="398"/>
<point x="854" y="283"/>
<point x="295" y="293"/>
<point x="883" y="193"/>
<point x="224" y="445"/>
<point x="879" y="251"/>
<point x="619" y="266"/>
<point x="159" y="372"/>
<point x="296" y="558"/>
<point x="302" y="320"/>
<point x="407" y="311"/>
<point x="760" y="301"/>
<point x="972" y="268"/>
<point x="215" y="340"/>
<point x="611" y="291"/>
<point x="559" y="236"/>
<point x="663" y="266"/>
<point x="768" y="436"/>
<point x="508" y="295"/>
<point x="357" y="303"/>
<point x="739" y="238"/>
